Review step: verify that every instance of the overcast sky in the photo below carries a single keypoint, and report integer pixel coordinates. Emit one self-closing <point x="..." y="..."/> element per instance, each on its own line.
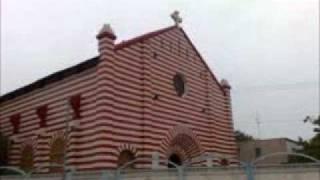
<point x="267" y="49"/>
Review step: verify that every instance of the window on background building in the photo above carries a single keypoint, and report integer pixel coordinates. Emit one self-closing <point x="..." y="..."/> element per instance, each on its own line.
<point x="26" y="161"/>
<point x="258" y="152"/>
<point x="57" y="152"/>
<point x="125" y="157"/>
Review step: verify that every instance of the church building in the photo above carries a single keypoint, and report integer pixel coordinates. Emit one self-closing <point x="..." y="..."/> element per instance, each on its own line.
<point x="150" y="97"/>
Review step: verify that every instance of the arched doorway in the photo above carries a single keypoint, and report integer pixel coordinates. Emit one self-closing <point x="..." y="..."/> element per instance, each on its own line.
<point x="176" y="159"/>
<point x="180" y="145"/>
<point x="182" y="148"/>
<point x="26" y="161"/>
<point x="57" y="154"/>
<point x="125" y="157"/>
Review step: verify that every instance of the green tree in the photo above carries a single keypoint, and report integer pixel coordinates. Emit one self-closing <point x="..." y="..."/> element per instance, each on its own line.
<point x="242" y="137"/>
<point x="310" y="147"/>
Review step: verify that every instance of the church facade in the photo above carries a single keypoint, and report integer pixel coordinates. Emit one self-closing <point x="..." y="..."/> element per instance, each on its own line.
<point x="153" y="95"/>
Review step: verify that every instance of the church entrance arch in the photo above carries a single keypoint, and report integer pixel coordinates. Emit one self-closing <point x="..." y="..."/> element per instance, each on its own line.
<point x="125" y="157"/>
<point x="180" y="145"/>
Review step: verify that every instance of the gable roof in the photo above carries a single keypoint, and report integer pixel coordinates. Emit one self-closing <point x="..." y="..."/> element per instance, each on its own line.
<point x="201" y="58"/>
<point x="57" y="76"/>
<point x="158" y="32"/>
<point x="143" y="37"/>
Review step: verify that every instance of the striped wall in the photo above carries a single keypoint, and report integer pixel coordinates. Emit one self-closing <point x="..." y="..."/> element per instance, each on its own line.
<point x="204" y="109"/>
<point x="128" y="101"/>
<point x="56" y="96"/>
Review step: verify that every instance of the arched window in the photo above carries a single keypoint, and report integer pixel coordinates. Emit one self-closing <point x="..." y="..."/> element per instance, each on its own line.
<point x="125" y="157"/>
<point x="179" y="84"/>
<point x="57" y="152"/>
<point x="26" y="161"/>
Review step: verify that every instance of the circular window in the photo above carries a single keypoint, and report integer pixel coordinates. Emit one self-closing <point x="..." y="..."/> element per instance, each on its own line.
<point x="179" y="84"/>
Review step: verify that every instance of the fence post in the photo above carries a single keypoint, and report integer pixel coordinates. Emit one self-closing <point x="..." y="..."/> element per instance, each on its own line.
<point x="249" y="171"/>
<point x="155" y="160"/>
<point x="69" y="174"/>
<point x="209" y="160"/>
<point x="105" y="175"/>
<point x="118" y="174"/>
<point x="180" y="172"/>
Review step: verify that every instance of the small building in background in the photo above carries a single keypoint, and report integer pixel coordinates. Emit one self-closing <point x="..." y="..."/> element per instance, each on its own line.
<point x="253" y="149"/>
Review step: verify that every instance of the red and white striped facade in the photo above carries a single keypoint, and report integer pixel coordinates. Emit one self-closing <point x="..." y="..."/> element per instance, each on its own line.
<point x="128" y="102"/>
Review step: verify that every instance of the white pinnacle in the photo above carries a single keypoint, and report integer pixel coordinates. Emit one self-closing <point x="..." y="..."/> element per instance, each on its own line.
<point x="225" y="83"/>
<point x="106" y="29"/>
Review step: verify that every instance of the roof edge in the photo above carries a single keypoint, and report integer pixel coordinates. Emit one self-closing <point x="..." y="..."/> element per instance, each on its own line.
<point x="56" y="76"/>
<point x="51" y="78"/>
<point x="143" y="37"/>
<point x="59" y="75"/>
<point x="202" y="59"/>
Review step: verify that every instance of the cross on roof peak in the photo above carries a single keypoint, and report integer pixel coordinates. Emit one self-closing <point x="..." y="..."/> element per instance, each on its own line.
<point x="176" y="18"/>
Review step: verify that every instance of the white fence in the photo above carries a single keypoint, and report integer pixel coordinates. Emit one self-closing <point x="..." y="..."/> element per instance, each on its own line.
<point x="283" y="172"/>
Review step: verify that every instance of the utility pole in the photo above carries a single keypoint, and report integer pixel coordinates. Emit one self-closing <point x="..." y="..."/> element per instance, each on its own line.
<point x="258" y="125"/>
<point x="257" y="148"/>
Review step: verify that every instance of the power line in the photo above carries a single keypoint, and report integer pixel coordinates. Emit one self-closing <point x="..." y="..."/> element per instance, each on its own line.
<point x="258" y="124"/>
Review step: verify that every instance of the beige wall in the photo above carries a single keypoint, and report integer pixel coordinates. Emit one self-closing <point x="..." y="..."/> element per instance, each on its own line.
<point x="247" y="150"/>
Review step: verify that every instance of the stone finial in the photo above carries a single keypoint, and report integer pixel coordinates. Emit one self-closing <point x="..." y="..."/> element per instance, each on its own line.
<point x="225" y="84"/>
<point x="107" y="31"/>
<point x="176" y="18"/>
